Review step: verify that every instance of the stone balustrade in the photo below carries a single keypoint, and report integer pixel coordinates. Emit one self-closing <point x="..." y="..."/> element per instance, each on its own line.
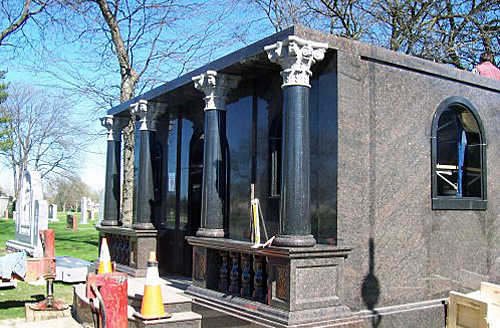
<point x="274" y="284"/>
<point x="235" y="268"/>
<point x="242" y="274"/>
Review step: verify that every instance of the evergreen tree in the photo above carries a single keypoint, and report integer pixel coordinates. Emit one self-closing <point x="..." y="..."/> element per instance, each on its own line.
<point x="6" y="141"/>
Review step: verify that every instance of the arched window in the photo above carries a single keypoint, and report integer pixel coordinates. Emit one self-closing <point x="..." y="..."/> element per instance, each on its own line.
<point x="458" y="157"/>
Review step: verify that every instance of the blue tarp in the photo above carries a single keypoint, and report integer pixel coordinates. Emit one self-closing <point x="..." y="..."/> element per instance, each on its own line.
<point x="13" y="263"/>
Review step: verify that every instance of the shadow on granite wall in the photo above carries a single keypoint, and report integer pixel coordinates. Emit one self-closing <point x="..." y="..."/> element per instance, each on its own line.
<point x="370" y="290"/>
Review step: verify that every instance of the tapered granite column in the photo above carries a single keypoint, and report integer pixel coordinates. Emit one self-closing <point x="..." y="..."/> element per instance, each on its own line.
<point x="214" y="188"/>
<point x="114" y="126"/>
<point x="145" y="185"/>
<point x="295" y="56"/>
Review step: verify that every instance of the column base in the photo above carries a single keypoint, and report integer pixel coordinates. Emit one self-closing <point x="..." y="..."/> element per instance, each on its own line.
<point x="143" y="226"/>
<point x="109" y="223"/>
<point x="129" y="248"/>
<point x="294" y="240"/>
<point x="210" y="233"/>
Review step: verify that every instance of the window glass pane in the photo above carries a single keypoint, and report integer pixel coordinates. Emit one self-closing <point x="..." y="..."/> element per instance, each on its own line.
<point x="239" y="133"/>
<point x="137" y="143"/>
<point x="459" y="145"/>
<point x="171" y="173"/>
<point x="187" y="133"/>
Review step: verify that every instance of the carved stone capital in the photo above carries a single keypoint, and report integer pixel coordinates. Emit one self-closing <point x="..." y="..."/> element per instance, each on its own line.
<point x="216" y="88"/>
<point x="114" y="126"/>
<point x="148" y="114"/>
<point x="296" y="56"/>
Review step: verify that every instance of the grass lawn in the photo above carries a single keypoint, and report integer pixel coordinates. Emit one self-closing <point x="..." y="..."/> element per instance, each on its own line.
<point x="12" y="300"/>
<point x="81" y="243"/>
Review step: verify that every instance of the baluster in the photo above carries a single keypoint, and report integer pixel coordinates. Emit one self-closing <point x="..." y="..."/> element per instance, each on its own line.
<point x="259" y="281"/>
<point x="223" y="272"/>
<point x="234" y="287"/>
<point x="246" y="275"/>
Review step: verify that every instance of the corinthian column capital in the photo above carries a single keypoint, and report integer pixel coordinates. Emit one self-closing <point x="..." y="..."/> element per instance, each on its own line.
<point x="296" y="56"/>
<point x="113" y="125"/>
<point x="148" y="114"/>
<point x="216" y="88"/>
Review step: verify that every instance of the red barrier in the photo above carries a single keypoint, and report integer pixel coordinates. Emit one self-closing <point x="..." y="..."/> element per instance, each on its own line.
<point x="110" y="291"/>
<point x="48" y="269"/>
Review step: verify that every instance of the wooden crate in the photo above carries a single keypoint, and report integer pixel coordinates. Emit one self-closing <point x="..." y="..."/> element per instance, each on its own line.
<point x="480" y="309"/>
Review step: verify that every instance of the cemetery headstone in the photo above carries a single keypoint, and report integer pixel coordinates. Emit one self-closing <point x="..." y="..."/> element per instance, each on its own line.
<point x="53" y="213"/>
<point x="92" y="208"/>
<point x="31" y="216"/>
<point x="83" y="207"/>
<point x="71" y="221"/>
<point x="4" y="204"/>
<point x="101" y="205"/>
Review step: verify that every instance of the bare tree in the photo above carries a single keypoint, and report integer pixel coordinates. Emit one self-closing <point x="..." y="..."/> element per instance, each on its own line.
<point x="282" y="13"/>
<point x="448" y="31"/>
<point x="67" y="191"/>
<point x="348" y="18"/>
<point x="14" y="17"/>
<point x="124" y="47"/>
<point x="44" y="137"/>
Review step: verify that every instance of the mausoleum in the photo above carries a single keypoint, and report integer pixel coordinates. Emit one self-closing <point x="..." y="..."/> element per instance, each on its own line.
<point x="376" y="172"/>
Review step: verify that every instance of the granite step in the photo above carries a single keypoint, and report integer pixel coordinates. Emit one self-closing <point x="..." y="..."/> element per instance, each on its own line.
<point x="174" y="300"/>
<point x="187" y="319"/>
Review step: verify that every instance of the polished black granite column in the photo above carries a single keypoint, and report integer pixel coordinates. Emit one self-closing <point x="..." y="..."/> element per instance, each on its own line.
<point x="296" y="56"/>
<point x="111" y="215"/>
<point x="145" y="186"/>
<point x="214" y="188"/>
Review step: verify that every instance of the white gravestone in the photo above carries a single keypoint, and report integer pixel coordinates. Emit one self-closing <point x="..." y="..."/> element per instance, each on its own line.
<point x="101" y="206"/>
<point x="92" y="208"/>
<point x="53" y="213"/>
<point x="83" y="207"/>
<point x="4" y="203"/>
<point x="31" y="215"/>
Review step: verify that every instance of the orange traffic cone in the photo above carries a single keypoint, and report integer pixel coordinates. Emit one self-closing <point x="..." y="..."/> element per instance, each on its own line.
<point x="104" y="258"/>
<point x="152" y="303"/>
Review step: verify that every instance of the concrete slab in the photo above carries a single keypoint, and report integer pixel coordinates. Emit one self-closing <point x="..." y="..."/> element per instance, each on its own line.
<point x="70" y="269"/>
<point x="67" y="322"/>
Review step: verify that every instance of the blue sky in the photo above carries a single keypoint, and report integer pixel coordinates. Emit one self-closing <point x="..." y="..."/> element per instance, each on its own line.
<point x="58" y="66"/>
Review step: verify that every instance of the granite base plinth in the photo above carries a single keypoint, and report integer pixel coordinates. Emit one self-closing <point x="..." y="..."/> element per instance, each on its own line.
<point x="32" y="250"/>
<point x="262" y="314"/>
<point x="294" y="241"/>
<point x="210" y="233"/>
<point x="143" y="226"/>
<point x="129" y="248"/>
<point x="109" y="223"/>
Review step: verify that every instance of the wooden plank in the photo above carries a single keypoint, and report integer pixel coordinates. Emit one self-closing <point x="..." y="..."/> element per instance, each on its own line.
<point x="494" y="315"/>
<point x="466" y="312"/>
<point x="490" y="292"/>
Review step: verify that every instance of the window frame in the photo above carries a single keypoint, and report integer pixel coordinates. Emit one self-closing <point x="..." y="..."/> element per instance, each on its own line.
<point x="452" y="202"/>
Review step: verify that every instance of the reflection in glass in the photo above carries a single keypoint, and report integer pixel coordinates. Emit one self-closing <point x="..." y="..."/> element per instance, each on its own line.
<point x="459" y="146"/>
<point x="186" y="132"/>
<point x="170" y="188"/>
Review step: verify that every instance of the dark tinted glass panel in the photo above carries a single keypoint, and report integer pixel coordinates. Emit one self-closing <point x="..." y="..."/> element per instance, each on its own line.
<point x="269" y="103"/>
<point x="137" y="142"/>
<point x="171" y="176"/>
<point x="239" y="133"/>
<point x="187" y="133"/>
<point x="323" y="144"/>
<point x="459" y="143"/>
